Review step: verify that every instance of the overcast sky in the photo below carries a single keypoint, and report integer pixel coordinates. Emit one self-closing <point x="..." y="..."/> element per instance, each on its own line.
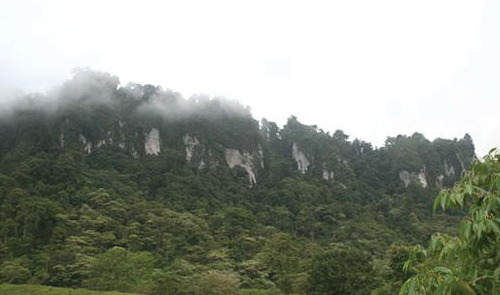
<point x="371" y="68"/>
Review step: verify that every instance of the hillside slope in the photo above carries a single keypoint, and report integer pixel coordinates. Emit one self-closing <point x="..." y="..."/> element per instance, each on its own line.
<point x="135" y="188"/>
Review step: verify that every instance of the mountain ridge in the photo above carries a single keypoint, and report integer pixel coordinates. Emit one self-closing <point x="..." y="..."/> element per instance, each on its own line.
<point x="94" y="112"/>
<point x="136" y="189"/>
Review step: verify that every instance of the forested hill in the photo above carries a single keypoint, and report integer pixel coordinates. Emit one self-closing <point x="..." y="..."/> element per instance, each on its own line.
<point x="98" y="179"/>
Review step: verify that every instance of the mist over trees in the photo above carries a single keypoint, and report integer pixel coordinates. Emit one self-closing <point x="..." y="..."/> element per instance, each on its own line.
<point x="136" y="189"/>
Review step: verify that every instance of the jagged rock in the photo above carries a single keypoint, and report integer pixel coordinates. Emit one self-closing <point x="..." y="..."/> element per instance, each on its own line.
<point x="101" y="143"/>
<point x="134" y="153"/>
<point x="245" y="161"/>
<point x="152" y="142"/>
<point x="439" y="181"/>
<point x="301" y="159"/>
<point x="422" y="178"/>
<point x="109" y="139"/>
<point x="191" y="142"/>
<point x="406" y="177"/>
<point x="62" y="140"/>
<point x="449" y="170"/>
<point x="460" y="161"/>
<point x="411" y="177"/>
<point x="328" y="175"/>
<point x="87" y="145"/>
<point x="261" y="156"/>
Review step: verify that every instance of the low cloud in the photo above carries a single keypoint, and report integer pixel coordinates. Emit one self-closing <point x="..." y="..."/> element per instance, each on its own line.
<point x="91" y="89"/>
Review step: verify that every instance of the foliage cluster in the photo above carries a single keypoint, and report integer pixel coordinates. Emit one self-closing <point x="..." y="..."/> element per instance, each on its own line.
<point x="470" y="262"/>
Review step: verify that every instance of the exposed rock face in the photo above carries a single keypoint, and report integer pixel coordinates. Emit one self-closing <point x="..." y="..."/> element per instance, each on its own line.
<point x="449" y="170"/>
<point x="135" y="154"/>
<point x="121" y="136"/>
<point x="422" y="179"/>
<point x="87" y="145"/>
<point x="101" y="143"/>
<point x="439" y="181"/>
<point x="406" y="177"/>
<point x="461" y="162"/>
<point x="152" y="142"/>
<point x="301" y="159"/>
<point x="191" y="142"/>
<point x="328" y="175"/>
<point x="62" y="140"/>
<point x="261" y="156"/>
<point x="245" y="161"/>
<point x="411" y="177"/>
<point x="109" y="138"/>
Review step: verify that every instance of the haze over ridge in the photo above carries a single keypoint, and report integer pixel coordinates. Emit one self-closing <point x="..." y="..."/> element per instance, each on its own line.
<point x="372" y="69"/>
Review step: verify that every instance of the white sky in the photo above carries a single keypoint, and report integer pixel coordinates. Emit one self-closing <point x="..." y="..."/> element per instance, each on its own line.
<point x="371" y="68"/>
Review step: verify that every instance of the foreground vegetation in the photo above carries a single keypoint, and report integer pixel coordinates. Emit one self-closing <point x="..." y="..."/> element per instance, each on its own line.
<point x="470" y="262"/>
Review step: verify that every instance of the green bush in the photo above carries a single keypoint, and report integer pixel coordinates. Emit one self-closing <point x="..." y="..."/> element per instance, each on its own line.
<point x="14" y="272"/>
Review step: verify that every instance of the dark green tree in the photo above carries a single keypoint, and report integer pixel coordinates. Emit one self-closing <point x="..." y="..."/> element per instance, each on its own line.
<point x="341" y="271"/>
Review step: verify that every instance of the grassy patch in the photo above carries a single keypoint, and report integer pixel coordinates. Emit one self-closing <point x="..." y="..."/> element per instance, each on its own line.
<point x="8" y="289"/>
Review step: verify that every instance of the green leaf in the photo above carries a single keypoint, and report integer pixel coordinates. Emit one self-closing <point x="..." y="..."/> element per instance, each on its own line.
<point x="460" y="199"/>
<point x="406" y="265"/>
<point x="437" y="200"/>
<point x="494" y="227"/>
<point x="443" y="202"/>
<point x="465" y="288"/>
<point x="468" y="189"/>
<point x="442" y="269"/>
<point x="468" y="230"/>
<point x="478" y="229"/>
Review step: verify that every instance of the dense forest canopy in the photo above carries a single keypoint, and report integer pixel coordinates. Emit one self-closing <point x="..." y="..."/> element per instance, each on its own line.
<point x="134" y="188"/>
